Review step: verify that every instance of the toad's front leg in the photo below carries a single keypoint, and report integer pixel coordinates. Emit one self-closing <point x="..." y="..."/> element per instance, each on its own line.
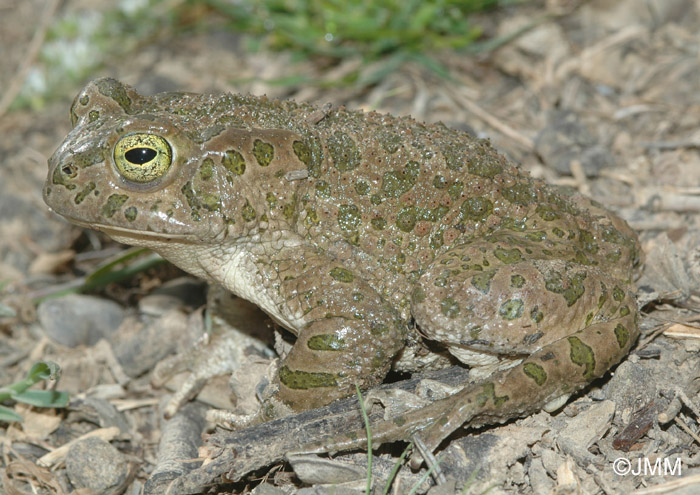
<point x="347" y="333"/>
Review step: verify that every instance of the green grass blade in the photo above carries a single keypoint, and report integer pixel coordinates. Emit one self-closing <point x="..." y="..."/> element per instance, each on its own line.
<point x="8" y="415"/>
<point x="43" y="398"/>
<point x="395" y="469"/>
<point x="368" y="428"/>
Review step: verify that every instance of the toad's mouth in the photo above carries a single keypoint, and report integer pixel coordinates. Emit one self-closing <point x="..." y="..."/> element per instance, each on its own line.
<point x="134" y="236"/>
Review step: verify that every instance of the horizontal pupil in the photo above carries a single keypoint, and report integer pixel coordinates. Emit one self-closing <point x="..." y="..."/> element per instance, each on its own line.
<point x="139" y="156"/>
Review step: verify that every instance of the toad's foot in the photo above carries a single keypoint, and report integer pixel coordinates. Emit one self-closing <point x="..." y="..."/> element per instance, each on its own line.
<point x="228" y="344"/>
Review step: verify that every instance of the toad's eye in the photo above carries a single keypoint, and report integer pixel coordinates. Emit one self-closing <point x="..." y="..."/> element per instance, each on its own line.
<point x="142" y="157"/>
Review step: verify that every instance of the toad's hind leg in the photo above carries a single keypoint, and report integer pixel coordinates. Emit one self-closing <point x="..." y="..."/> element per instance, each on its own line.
<point x="554" y="372"/>
<point x="543" y="328"/>
<point x="540" y="328"/>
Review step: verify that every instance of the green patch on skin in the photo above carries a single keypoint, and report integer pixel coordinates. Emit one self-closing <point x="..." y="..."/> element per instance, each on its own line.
<point x="439" y="182"/>
<point x="341" y="274"/>
<point x="349" y="217"/>
<point x="530" y="339"/>
<point x="209" y="201"/>
<point x="589" y="319"/>
<point x="433" y="215"/>
<point x="618" y="294"/>
<point x="603" y="296"/>
<point x="399" y="420"/>
<point x="614" y="255"/>
<point x="303" y="153"/>
<point x="547" y="213"/>
<point x="558" y="232"/>
<point x="326" y="342"/>
<point x="304" y="380"/>
<point x="484" y="166"/>
<point x="60" y="174"/>
<point x="84" y="100"/>
<point x="582" y="355"/>
<point x="361" y="187"/>
<point x="93" y="115"/>
<point x="376" y="199"/>
<point x="80" y="197"/>
<point x="406" y="219"/>
<point x="263" y="152"/>
<point x="234" y="162"/>
<point x="508" y="256"/>
<point x="248" y="212"/>
<point x="482" y="281"/>
<point x="206" y="169"/>
<point x="397" y="182"/>
<point x="614" y="236"/>
<point x="554" y="282"/>
<point x="311" y="217"/>
<point x="522" y="193"/>
<point x="378" y="329"/>
<point x="513" y="224"/>
<point x="624" y="311"/>
<point x="288" y="210"/>
<point x="455" y="190"/>
<point x="474" y="332"/>
<point x="536" y="315"/>
<point x="536" y="236"/>
<point x="391" y="142"/>
<point x="323" y="189"/>
<point x="449" y="307"/>
<point x="115" y="90"/>
<point x="436" y="240"/>
<point x="588" y="242"/>
<point x="114" y="202"/>
<point x="622" y="335"/>
<point x="536" y="372"/>
<point x="477" y="208"/>
<point x="418" y="295"/>
<point x="343" y="149"/>
<point x="511" y="309"/>
<point x="582" y="259"/>
<point x="517" y="281"/>
<point x="378" y="223"/>
<point x="130" y="213"/>
<point x="555" y="197"/>
<point x="89" y="157"/>
<point x="271" y="199"/>
<point x="192" y="199"/>
<point x="489" y="392"/>
<point x="378" y="360"/>
<point x="454" y="154"/>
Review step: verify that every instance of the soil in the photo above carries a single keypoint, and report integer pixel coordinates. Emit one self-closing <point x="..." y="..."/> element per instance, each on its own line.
<point x="597" y="95"/>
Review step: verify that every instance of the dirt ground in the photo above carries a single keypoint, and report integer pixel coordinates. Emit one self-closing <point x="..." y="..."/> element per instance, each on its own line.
<point x="602" y="96"/>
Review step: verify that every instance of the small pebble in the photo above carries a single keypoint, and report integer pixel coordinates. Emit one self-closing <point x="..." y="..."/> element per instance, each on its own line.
<point x="96" y="465"/>
<point x="75" y="319"/>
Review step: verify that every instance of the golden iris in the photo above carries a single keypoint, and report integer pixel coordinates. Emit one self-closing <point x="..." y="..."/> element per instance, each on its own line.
<point x="142" y="157"/>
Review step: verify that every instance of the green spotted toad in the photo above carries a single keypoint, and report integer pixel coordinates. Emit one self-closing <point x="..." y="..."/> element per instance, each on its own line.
<point x="379" y="242"/>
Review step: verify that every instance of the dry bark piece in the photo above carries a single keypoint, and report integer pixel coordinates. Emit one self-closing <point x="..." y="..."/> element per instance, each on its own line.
<point x="641" y="423"/>
<point x="180" y="439"/>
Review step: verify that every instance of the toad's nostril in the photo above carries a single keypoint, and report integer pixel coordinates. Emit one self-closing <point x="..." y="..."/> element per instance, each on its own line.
<point x="70" y="170"/>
